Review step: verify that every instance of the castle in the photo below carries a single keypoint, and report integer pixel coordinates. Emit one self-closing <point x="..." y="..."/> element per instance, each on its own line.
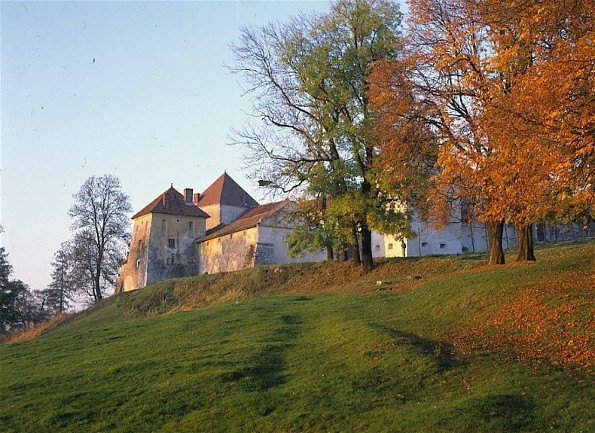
<point x="224" y="229"/>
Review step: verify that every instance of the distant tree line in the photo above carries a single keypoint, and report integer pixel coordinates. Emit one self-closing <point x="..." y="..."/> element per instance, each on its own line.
<point x="85" y="267"/>
<point x="475" y="104"/>
<point x="20" y="306"/>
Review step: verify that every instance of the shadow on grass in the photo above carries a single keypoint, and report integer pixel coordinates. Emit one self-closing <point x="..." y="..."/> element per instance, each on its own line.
<point x="501" y="412"/>
<point x="264" y="370"/>
<point x="441" y="352"/>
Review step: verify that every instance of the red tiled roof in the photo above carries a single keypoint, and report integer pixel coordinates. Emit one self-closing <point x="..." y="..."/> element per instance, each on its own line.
<point x="226" y="191"/>
<point x="173" y="203"/>
<point x="249" y="219"/>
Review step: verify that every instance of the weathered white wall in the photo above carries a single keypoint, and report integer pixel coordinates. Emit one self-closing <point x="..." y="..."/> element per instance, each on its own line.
<point x="222" y="214"/>
<point x="181" y="260"/>
<point x="151" y="259"/>
<point x="429" y="241"/>
<point x="228" y="253"/>
<point x="378" y="245"/>
<point x="133" y="273"/>
<point x="272" y="249"/>
<point x="260" y="245"/>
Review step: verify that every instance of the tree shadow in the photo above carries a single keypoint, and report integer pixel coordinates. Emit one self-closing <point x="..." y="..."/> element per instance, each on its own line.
<point x="441" y="352"/>
<point x="265" y="369"/>
<point x="502" y="412"/>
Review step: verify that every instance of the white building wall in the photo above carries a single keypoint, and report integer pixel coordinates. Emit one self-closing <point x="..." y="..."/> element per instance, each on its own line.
<point x="429" y="241"/>
<point x="222" y="214"/>
<point x="378" y="245"/>
<point x="273" y="250"/>
<point x="228" y="253"/>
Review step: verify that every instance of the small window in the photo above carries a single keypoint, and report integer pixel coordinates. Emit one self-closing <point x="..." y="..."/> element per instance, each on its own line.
<point x="171" y="243"/>
<point x="191" y="226"/>
<point x="137" y="263"/>
<point x="377" y="248"/>
<point x="390" y="246"/>
<point x="163" y="226"/>
<point x="424" y="244"/>
<point x="442" y="246"/>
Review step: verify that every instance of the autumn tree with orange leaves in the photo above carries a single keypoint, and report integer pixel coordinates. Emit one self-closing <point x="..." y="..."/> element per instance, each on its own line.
<point x="445" y="73"/>
<point x="543" y="123"/>
<point x="514" y="129"/>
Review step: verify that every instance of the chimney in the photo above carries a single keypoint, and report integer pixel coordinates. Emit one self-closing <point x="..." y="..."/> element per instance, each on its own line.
<point x="188" y="195"/>
<point x="196" y="198"/>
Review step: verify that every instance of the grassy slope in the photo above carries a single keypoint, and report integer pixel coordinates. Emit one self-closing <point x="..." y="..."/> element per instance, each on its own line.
<point x="464" y="348"/>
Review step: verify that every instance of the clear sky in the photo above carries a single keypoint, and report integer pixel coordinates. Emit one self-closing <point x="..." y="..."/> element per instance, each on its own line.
<point x="135" y="89"/>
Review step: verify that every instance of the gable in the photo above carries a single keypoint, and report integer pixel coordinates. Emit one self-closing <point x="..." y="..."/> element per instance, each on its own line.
<point x="251" y="218"/>
<point x="226" y="191"/>
<point x="172" y="202"/>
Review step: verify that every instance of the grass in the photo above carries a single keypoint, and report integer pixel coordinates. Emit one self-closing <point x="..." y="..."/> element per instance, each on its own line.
<point x="445" y="345"/>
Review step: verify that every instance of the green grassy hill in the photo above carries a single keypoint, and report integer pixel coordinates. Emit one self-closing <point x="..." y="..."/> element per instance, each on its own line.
<point x="443" y="345"/>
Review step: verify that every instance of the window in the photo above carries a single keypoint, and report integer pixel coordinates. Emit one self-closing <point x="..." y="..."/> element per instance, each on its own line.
<point x="191" y="227"/>
<point x="163" y="226"/>
<point x="424" y="244"/>
<point x="171" y="243"/>
<point x="377" y="248"/>
<point x="442" y="246"/>
<point x="137" y="263"/>
<point x="390" y="246"/>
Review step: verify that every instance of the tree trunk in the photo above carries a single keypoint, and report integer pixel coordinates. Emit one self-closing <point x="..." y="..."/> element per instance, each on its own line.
<point x="496" y="253"/>
<point x="330" y="254"/>
<point x="367" y="259"/>
<point x="524" y="242"/>
<point x="357" y="258"/>
<point x="342" y="255"/>
<point x="97" y="282"/>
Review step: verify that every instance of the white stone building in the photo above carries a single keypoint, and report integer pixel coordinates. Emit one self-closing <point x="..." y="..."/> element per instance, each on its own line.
<point x="224" y="229"/>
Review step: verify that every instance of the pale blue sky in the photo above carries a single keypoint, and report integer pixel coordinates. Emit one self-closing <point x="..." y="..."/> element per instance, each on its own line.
<point x="135" y="89"/>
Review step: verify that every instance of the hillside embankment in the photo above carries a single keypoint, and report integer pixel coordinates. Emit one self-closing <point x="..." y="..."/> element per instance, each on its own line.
<point x="442" y="344"/>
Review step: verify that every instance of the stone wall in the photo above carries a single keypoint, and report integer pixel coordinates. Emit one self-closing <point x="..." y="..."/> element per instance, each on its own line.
<point x="133" y="273"/>
<point x="272" y="248"/>
<point x="222" y="214"/>
<point x="163" y="246"/>
<point x="173" y="252"/>
<point x="228" y="253"/>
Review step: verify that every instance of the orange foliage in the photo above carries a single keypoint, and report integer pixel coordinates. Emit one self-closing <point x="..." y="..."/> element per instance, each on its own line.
<point x="543" y="124"/>
<point x="507" y="89"/>
<point x="408" y="145"/>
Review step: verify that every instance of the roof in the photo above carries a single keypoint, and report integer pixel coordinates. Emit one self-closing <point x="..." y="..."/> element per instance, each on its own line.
<point x="249" y="219"/>
<point x="226" y="191"/>
<point x="171" y="202"/>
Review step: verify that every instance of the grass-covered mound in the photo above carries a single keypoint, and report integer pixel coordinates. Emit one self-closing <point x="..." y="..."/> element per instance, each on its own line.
<point x="444" y="345"/>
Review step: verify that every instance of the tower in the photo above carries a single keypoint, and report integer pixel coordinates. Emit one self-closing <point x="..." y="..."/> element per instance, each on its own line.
<point x="163" y="240"/>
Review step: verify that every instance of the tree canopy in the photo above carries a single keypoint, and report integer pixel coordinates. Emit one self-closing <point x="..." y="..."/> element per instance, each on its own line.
<point x="507" y="91"/>
<point x="308" y="80"/>
<point x="101" y="234"/>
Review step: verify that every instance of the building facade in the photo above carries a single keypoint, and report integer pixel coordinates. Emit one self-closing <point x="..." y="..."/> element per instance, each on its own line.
<point x="224" y="229"/>
<point x="163" y="243"/>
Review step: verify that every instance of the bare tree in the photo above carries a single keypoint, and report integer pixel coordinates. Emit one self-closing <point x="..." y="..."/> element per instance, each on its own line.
<point x="102" y="232"/>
